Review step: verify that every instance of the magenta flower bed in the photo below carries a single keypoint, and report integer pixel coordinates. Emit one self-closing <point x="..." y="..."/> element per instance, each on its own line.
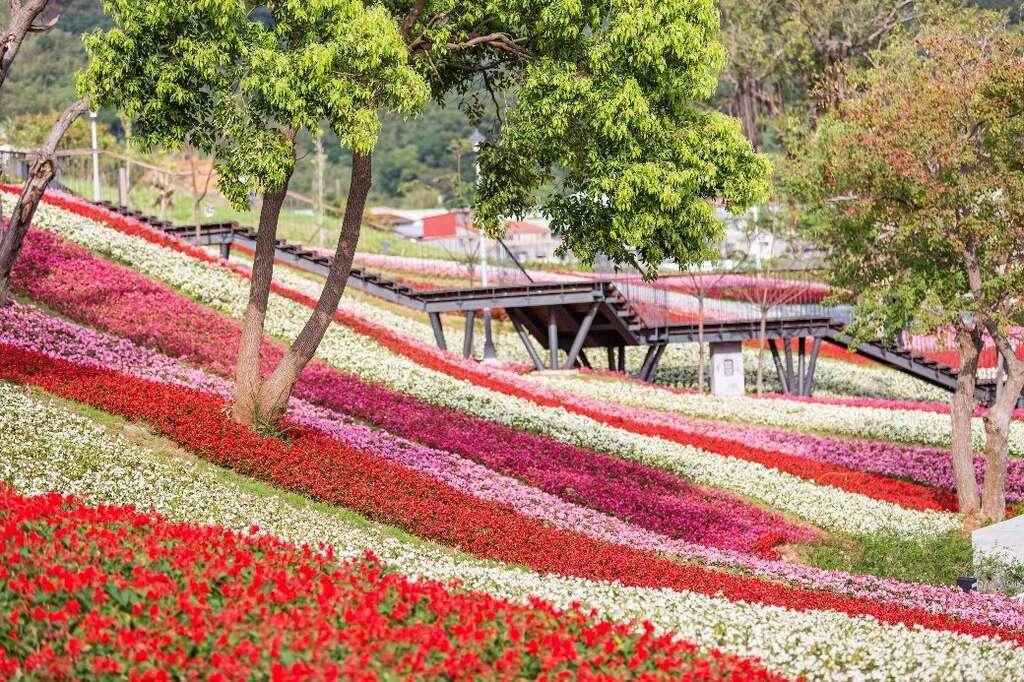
<point x="117" y="299"/>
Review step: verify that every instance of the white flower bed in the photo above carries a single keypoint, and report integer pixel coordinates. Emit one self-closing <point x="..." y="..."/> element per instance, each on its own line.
<point x="47" y="448"/>
<point x="213" y="285"/>
<point x="872" y="423"/>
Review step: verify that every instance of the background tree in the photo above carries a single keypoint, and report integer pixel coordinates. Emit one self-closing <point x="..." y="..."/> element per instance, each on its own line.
<point x="42" y="169"/>
<point x="916" y="188"/>
<point x="752" y="81"/>
<point x="25" y="131"/>
<point x="825" y="38"/>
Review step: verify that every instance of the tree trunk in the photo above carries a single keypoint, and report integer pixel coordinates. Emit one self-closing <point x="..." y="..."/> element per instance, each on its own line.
<point x="746" y="109"/>
<point x="276" y="390"/>
<point x="196" y="218"/>
<point x="248" y="375"/>
<point x="42" y="171"/>
<point x="997" y="431"/>
<point x="961" y="411"/>
<point x="22" y="22"/>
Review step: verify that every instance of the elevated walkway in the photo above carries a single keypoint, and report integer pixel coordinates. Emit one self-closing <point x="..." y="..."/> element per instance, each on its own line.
<point x="570" y="317"/>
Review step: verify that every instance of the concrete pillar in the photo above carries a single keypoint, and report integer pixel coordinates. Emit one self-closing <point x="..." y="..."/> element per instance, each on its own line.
<point x="727" y="368"/>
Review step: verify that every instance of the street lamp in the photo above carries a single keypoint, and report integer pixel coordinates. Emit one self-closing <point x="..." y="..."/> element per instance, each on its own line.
<point x="477" y="139"/>
<point x="95" y="158"/>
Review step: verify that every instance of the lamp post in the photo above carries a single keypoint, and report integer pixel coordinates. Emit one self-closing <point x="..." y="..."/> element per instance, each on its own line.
<point x="95" y="158"/>
<point x="477" y="139"/>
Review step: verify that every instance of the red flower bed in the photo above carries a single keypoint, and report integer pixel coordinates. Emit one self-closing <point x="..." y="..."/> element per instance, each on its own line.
<point x="109" y="591"/>
<point x="906" y="494"/>
<point x="315" y="465"/>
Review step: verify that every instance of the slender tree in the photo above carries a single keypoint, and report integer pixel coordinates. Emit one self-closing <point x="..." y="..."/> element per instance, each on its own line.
<point x="42" y="169"/>
<point x="24" y="16"/>
<point x="917" y="188"/>
<point x="604" y="133"/>
<point x="263" y="80"/>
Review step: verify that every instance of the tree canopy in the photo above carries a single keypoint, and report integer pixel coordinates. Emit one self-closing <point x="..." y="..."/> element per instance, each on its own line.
<point x="607" y="136"/>
<point x="923" y="175"/>
<point x="241" y="88"/>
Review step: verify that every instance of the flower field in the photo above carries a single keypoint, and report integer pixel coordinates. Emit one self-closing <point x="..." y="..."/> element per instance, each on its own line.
<point x="207" y="602"/>
<point x="421" y="514"/>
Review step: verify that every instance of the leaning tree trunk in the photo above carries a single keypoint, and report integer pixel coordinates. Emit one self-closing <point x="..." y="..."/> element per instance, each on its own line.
<point x="248" y="375"/>
<point x="997" y="432"/>
<point x="41" y="172"/>
<point x="276" y="390"/>
<point x="962" y="405"/>
<point x="22" y="22"/>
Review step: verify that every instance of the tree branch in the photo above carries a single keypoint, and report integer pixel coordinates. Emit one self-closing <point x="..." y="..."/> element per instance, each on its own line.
<point x="412" y="17"/>
<point x="44" y="27"/>
<point x="501" y="41"/>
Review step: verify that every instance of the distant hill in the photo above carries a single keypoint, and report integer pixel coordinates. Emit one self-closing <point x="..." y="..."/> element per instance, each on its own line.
<point x="414" y="163"/>
<point x="42" y="78"/>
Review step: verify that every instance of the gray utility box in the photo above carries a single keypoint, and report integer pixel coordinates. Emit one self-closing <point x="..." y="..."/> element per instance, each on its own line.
<point x="727" y="368"/>
<point x="1000" y="545"/>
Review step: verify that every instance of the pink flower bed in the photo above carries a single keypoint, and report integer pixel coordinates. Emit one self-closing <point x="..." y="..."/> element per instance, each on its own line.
<point x="746" y="288"/>
<point x="26" y="327"/>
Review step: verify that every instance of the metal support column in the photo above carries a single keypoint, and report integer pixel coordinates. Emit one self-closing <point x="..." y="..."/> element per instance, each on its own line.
<point x="790" y="376"/>
<point x="778" y="365"/>
<point x="553" y="337"/>
<point x="611" y="358"/>
<point x="435" y="322"/>
<point x="225" y="250"/>
<point x="581" y="334"/>
<point x="622" y="359"/>
<point x="538" y="363"/>
<point x="648" y="357"/>
<point x="809" y="382"/>
<point x="122" y="185"/>
<point x="584" y="360"/>
<point x="654" y="354"/>
<point x="801" y="351"/>
<point x="467" y="335"/>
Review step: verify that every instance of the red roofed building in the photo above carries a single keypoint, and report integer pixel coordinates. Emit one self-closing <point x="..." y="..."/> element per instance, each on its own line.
<point x="453" y="229"/>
